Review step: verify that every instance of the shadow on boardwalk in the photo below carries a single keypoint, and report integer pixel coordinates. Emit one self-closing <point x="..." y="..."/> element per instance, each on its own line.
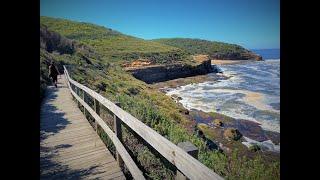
<point x="52" y="170"/>
<point x="52" y="122"/>
<point x="51" y="119"/>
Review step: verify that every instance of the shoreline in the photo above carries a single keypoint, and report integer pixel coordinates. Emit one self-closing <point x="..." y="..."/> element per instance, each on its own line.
<point x="174" y="83"/>
<point x="189" y="80"/>
<point x="228" y="62"/>
<point x="248" y="128"/>
<point x="181" y="82"/>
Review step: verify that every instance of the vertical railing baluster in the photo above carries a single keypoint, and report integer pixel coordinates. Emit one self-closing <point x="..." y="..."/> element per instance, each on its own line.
<point x="84" y="100"/>
<point x="78" y="93"/>
<point x="117" y="131"/>
<point x="97" y="110"/>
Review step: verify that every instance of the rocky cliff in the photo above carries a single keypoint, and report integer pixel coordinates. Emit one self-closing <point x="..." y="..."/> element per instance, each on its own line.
<point x="159" y="73"/>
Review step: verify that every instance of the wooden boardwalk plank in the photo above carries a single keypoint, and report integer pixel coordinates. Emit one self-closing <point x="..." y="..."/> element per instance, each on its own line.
<point x="69" y="146"/>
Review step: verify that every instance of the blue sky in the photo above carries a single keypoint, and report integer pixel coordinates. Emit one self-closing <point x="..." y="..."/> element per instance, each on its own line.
<point x="254" y="24"/>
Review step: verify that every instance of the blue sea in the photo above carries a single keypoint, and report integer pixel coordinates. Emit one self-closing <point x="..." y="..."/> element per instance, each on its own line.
<point x="268" y="53"/>
<point x="251" y="92"/>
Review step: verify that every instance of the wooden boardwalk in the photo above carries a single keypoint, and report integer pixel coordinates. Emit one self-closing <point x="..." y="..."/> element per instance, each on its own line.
<point x="69" y="146"/>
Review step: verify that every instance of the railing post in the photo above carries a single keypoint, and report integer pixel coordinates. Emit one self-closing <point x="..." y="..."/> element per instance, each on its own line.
<point x="83" y="98"/>
<point x="117" y="131"/>
<point x="78" y="93"/>
<point x="190" y="149"/>
<point x="97" y="110"/>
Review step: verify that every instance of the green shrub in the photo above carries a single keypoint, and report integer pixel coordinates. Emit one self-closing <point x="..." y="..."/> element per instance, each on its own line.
<point x="155" y="109"/>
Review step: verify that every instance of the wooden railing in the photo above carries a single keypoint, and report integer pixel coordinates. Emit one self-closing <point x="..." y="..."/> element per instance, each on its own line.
<point x="185" y="163"/>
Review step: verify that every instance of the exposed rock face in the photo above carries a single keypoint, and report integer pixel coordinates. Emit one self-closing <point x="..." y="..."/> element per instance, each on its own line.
<point x="137" y="63"/>
<point x="217" y="122"/>
<point x="232" y="134"/>
<point x="237" y="56"/>
<point x="200" y="57"/>
<point x="159" y="73"/>
<point x="254" y="148"/>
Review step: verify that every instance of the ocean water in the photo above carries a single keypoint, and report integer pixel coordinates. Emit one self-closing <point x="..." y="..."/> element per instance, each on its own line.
<point x="268" y="53"/>
<point x="252" y="92"/>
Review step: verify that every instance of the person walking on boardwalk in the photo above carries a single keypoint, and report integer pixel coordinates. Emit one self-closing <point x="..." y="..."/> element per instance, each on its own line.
<point x="53" y="73"/>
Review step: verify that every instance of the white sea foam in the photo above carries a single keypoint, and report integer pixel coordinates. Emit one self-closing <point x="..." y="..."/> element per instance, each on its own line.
<point x="272" y="59"/>
<point x="212" y="99"/>
<point x="237" y="96"/>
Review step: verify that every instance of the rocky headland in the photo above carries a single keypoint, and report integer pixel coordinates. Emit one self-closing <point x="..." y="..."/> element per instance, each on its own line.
<point x="159" y="73"/>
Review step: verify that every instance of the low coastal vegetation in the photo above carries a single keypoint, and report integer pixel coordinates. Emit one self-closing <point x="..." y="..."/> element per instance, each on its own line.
<point x="200" y="46"/>
<point x="215" y="50"/>
<point x="95" y="54"/>
<point x="113" y="45"/>
<point x="61" y="50"/>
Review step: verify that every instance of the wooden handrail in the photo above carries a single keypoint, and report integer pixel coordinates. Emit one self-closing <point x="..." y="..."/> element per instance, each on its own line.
<point x="188" y="165"/>
<point x="134" y="170"/>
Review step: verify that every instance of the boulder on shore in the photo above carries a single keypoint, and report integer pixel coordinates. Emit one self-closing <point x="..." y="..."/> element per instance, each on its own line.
<point x="218" y="122"/>
<point x="184" y="111"/>
<point x="176" y="97"/>
<point x="254" y="147"/>
<point x="232" y="134"/>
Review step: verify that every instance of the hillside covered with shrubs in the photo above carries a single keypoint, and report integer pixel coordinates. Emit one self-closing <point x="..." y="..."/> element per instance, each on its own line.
<point x="95" y="54"/>
<point x="216" y="50"/>
<point x="115" y="45"/>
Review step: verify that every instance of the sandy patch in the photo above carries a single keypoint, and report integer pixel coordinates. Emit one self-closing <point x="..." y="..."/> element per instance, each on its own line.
<point x="252" y="98"/>
<point x="256" y="99"/>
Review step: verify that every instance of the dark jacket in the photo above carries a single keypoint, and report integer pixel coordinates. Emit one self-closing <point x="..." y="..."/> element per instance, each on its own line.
<point x="53" y="71"/>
